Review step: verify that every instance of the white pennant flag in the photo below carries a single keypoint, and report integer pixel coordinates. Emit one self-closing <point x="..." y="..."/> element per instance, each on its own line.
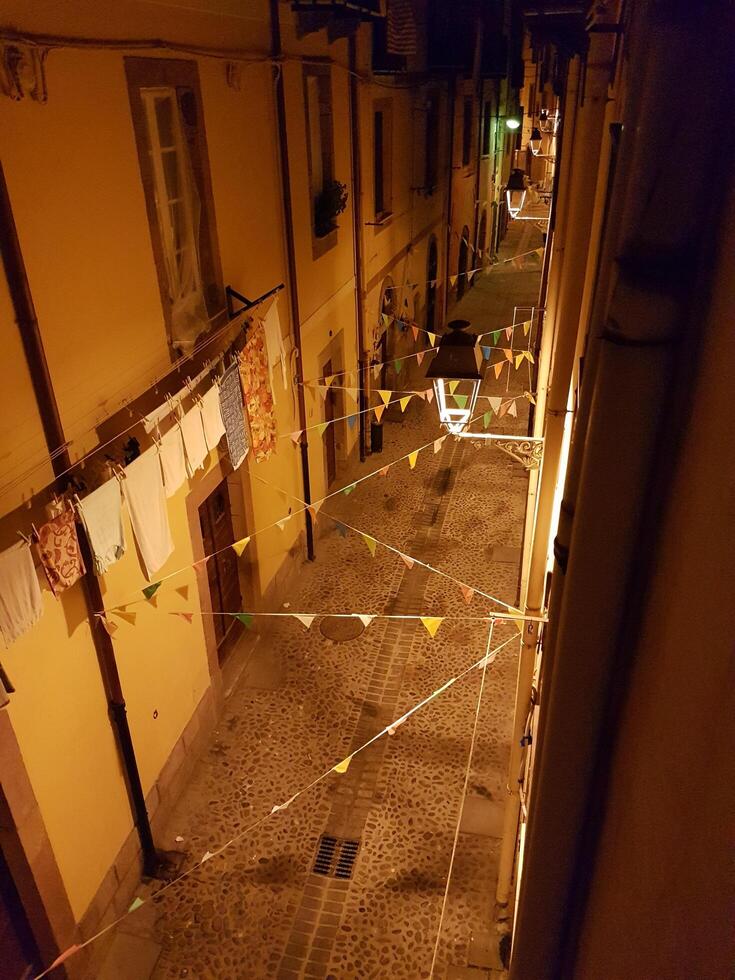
<point x="365" y="619"/>
<point x="304" y="620"/>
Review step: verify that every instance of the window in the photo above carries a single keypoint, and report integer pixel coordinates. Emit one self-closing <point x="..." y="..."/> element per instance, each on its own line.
<point x="172" y="153"/>
<point x="431" y="149"/>
<point x="382" y="159"/>
<point x="320" y="143"/>
<point x="487" y="128"/>
<point x="467" y="133"/>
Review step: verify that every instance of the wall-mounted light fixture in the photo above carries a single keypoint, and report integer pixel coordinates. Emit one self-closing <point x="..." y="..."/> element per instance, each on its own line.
<point x="515" y="192"/>
<point x="513" y="122"/>
<point x="534" y="141"/>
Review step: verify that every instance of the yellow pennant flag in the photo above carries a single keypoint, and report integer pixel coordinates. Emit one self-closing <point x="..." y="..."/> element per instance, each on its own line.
<point x="379" y="409"/>
<point x="497" y="368"/>
<point x="519" y="358"/>
<point x="529" y="396"/>
<point x="342" y="766"/>
<point x="432" y="339"/>
<point x="328" y="381"/>
<point x="529" y="356"/>
<point x="128" y="617"/>
<point x="322" y="428"/>
<point x="239" y="546"/>
<point x="432" y="624"/>
<point x="404" y="402"/>
<point x="526" y="327"/>
<point x="412" y="457"/>
<point x="453" y="385"/>
<point x="370" y="542"/>
<point x="385" y="395"/>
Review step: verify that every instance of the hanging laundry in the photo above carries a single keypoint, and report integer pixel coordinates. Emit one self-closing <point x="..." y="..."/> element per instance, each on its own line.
<point x="21" y="603"/>
<point x="173" y="460"/>
<point x="258" y="395"/>
<point x="58" y="549"/>
<point x="101" y="513"/>
<point x="146" y="500"/>
<point x="274" y="345"/>
<point x="6" y="687"/>
<point x="214" y="427"/>
<point x="195" y="446"/>
<point x="230" y="399"/>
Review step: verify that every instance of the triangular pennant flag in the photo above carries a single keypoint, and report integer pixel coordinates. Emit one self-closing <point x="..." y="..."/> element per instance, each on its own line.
<point x="460" y="400"/>
<point x="384" y="395"/>
<point x="328" y="381"/>
<point x="528" y="355"/>
<point x="282" y="523"/>
<point x="186" y="616"/>
<point x="206" y="857"/>
<point x="496" y="337"/>
<point x="420" y="394"/>
<point x="352" y="392"/>
<point x="432" y="624"/>
<point x="519" y="358"/>
<point x="365" y="619"/>
<point x="494" y="404"/>
<point x="379" y="409"/>
<point x="321" y="427"/>
<point x="497" y="368"/>
<point x="239" y="546"/>
<point x="340" y="528"/>
<point x="384" y="471"/>
<point x="486" y="419"/>
<point x="467" y="593"/>
<point x="304" y="619"/>
<point x="351" y="419"/>
<point x="453" y="281"/>
<point x="109" y="627"/>
<point x="438" y="443"/>
<point x="430" y="395"/>
<point x="453" y="385"/>
<point x="529" y="396"/>
<point x="508" y="353"/>
<point x="419" y="357"/>
<point x="509" y="332"/>
<point x="432" y="339"/>
<point x="470" y="274"/>
<point x="135" y="904"/>
<point x="385" y="319"/>
<point x="377" y="368"/>
<point x="183" y="591"/>
<point x="412" y="457"/>
<point x="398" y="364"/>
<point x="245" y="618"/>
<point x="486" y="351"/>
<point x="415" y="331"/>
<point x="512" y="410"/>
<point x="128" y="617"/>
<point x="314" y="509"/>
<point x="343" y="766"/>
<point x="150" y="590"/>
<point x="503" y="409"/>
<point x="348" y="490"/>
<point x="407" y="560"/>
<point x="370" y="542"/>
<point x="404" y="402"/>
<point x="526" y="328"/>
<point x="296" y="437"/>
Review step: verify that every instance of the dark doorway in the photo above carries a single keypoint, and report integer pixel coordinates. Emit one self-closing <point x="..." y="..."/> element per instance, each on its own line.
<point x="330" y="437"/>
<point x="432" y="266"/>
<point x="18" y="953"/>
<point x="481" y="239"/>
<point x="215" y="520"/>
<point x="462" y="262"/>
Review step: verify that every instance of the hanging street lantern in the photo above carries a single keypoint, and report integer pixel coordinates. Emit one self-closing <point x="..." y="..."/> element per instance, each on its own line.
<point x="515" y="192"/>
<point x="455" y="371"/>
<point x="534" y="141"/>
<point x="513" y="122"/>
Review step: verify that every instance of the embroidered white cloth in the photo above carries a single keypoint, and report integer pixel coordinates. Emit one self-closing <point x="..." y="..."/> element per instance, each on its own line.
<point x="173" y="461"/>
<point x="146" y="500"/>
<point x="101" y="513"/>
<point x="214" y="427"/>
<point x="274" y="345"/>
<point x="192" y="429"/>
<point x="21" y="604"/>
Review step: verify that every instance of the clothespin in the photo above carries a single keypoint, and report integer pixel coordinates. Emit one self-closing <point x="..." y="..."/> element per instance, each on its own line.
<point x="118" y="471"/>
<point x="25" y="537"/>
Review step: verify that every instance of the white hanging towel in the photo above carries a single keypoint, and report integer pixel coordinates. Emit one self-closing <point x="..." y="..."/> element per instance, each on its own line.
<point x="192" y="429"/>
<point x="214" y="427"/>
<point x="21" y="604"/>
<point x="101" y="513"/>
<point x="274" y="345"/>
<point x="173" y="461"/>
<point x="146" y="500"/>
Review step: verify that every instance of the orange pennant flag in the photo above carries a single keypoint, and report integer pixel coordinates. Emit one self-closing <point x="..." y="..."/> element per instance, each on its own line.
<point x="497" y="368"/>
<point x="415" y="331"/>
<point x="314" y="509"/>
<point x="509" y="332"/>
<point x="508" y="353"/>
<point x="468" y="593"/>
<point x="407" y="560"/>
<point x="379" y="409"/>
<point x="432" y="624"/>
<point x="109" y="627"/>
<point x="419" y="357"/>
<point x="384" y="471"/>
<point x="186" y="616"/>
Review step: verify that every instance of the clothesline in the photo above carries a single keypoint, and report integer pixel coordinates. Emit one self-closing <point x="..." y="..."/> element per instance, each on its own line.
<point x="340" y="768"/>
<point x="470" y="272"/>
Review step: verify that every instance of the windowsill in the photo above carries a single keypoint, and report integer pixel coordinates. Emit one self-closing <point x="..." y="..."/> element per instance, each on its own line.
<point x="320" y="246"/>
<point x="381" y="220"/>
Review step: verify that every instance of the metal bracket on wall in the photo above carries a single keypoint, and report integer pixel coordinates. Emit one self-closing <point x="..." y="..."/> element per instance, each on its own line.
<point x="527" y="452"/>
<point x="248" y="304"/>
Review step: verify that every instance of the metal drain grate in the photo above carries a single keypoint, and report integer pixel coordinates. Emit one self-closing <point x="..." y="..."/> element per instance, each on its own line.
<point x="335" y="858"/>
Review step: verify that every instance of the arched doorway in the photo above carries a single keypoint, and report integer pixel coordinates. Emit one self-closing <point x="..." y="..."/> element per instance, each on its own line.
<point x="462" y="262"/>
<point x="432" y="267"/>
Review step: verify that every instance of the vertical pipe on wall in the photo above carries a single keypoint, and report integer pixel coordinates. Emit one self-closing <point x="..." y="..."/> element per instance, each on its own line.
<point x="293" y="287"/>
<point x="448" y="210"/>
<point x="53" y="430"/>
<point x="362" y="353"/>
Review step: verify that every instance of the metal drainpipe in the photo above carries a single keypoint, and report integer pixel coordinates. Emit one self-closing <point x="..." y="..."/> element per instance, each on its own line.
<point x="452" y="100"/>
<point x="293" y="288"/>
<point x="639" y="405"/>
<point x="25" y="317"/>
<point x="362" y="353"/>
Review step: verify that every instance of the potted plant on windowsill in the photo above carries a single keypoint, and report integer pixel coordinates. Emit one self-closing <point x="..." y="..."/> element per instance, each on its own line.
<point x="330" y="203"/>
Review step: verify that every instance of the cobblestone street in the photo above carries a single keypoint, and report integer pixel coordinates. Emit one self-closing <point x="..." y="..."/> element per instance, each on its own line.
<point x="305" y="701"/>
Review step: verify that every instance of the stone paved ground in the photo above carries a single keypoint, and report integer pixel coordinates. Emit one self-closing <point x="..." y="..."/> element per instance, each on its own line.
<point x="305" y="701"/>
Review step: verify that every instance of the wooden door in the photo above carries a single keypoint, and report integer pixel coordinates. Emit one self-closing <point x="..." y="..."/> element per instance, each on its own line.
<point x="18" y="954"/>
<point x="215" y="519"/>
<point x="330" y="436"/>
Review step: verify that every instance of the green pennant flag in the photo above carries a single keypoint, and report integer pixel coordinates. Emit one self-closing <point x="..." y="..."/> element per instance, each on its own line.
<point x="460" y="400"/>
<point x="348" y="490"/>
<point x="496" y="336"/>
<point x="245" y="618"/>
<point x="486" y="419"/>
<point x="150" y="590"/>
<point x="398" y="365"/>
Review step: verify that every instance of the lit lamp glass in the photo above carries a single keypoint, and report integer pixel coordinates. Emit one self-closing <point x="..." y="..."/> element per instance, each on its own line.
<point x="513" y="122"/>
<point x="515" y="193"/>
<point x="534" y="141"/>
<point x="456" y="374"/>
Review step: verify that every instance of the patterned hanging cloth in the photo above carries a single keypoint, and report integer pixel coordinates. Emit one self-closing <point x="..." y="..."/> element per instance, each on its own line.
<point x="254" y="374"/>
<point x="58" y="549"/>
<point x="230" y="401"/>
